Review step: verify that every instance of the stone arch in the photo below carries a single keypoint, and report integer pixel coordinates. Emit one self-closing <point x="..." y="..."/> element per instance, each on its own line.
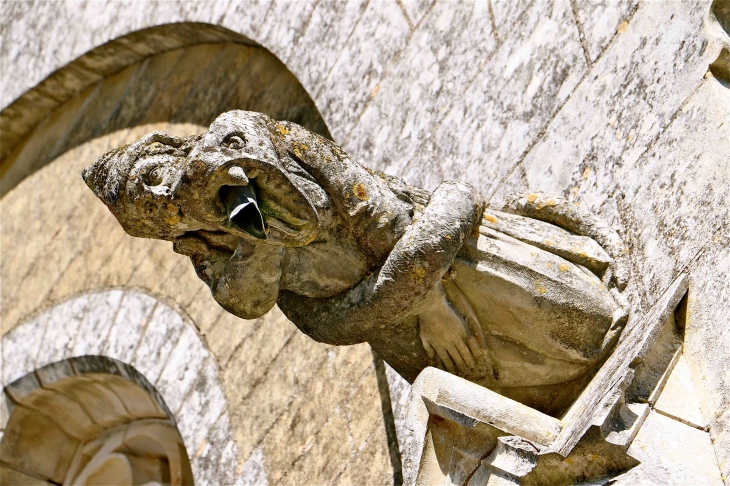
<point x="115" y="343"/>
<point x="91" y="420"/>
<point x="181" y="73"/>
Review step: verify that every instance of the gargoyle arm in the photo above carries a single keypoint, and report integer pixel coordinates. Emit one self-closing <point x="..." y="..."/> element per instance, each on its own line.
<point x="415" y="265"/>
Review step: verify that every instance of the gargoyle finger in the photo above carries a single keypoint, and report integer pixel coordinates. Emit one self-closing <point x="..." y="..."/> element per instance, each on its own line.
<point x="457" y="298"/>
<point x="466" y="354"/>
<point x="458" y="360"/>
<point x="446" y="359"/>
<point x="430" y="352"/>
<point x="476" y="350"/>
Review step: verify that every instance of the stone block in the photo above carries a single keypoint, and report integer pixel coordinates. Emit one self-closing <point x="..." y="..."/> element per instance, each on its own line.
<point x="506" y="15"/>
<point x="202" y="104"/>
<point x="65" y="411"/>
<point x="128" y="327"/>
<point x="180" y="83"/>
<point x="329" y="26"/>
<point x="400" y="390"/>
<point x="720" y="434"/>
<point x="371" y="462"/>
<point x="361" y="64"/>
<point x="20" y="348"/>
<point x="181" y="368"/>
<point x="601" y="21"/>
<point x="13" y="476"/>
<point x="19" y="389"/>
<point x="163" y="331"/>
<point x="253" y="471"/>
<point x="136" y="399"/>
<point x="686" y="457"/>
<point x="217" y="453"/>
<point x="254" y="356"/>
<point x="511" y="101"/>
<point x="53" y="372"/>
<point x="437" y="64"/>
<point x="364" y="410"/>
<point x="62" y="330"/>
<point x="672" y="204"/>
<point x="679" y="399"/>
<point x="202" y="407"/>
<point x="285" y="378"/>
<point x="34" y="442"/>
<point x="623" y="104"/>
<point x="101" y="404"/>
<point x="98" y="316"/>
<point x="326" y="456"/>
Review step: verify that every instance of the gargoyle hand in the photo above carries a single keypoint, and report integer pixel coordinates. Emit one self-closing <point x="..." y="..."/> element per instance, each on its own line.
<point x="446" y="337"/>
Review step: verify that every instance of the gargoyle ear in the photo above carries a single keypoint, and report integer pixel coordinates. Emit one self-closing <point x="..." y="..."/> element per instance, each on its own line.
<point x="160" y="137"/>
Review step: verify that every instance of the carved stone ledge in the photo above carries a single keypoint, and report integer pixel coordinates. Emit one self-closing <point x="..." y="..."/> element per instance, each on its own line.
<point x="529" y="447"/>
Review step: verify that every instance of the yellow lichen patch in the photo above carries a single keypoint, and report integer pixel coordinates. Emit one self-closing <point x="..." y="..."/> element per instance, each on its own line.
<point x="360" y="191"/>
<point x="418" y="274"/>
<point x="548" y="243"/>
<point x="174" y="219"/>
<point x="282" y="129"/>
<point x="448" y="237"/>
<point x="490" y="218"/>
<point x="540" y="287"/>
<point x="569" y="460"/>
<point x="586" y="173"/>
<point x="623" y="27"/>
<point x="550" y="265"/>
<point x="376" y="88"/>
<point x="532" y="198"/>
<point x="563" y="267"/>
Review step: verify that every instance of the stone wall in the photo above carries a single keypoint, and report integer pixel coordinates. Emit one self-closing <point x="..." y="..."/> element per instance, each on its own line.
<point x="620" y="106"/>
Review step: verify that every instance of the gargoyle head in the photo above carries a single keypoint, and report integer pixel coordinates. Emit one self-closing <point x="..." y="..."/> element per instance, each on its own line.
<point x="135" y="182"/>
<point x="234" y="180"/>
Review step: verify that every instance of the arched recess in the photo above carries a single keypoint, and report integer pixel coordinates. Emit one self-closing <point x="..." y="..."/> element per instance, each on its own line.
<point x="181" y="73"/>
<point x="108" y="363"/>
<point x="90" y="420"/>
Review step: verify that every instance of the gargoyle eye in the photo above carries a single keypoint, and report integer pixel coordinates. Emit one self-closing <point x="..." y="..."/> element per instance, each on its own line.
<point x="234" y="142"/>
<point x="154" y="177"/>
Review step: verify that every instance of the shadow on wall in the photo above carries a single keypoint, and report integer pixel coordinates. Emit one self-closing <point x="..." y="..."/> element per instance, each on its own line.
<point x="90" y="420"/>
<point x="181" y="73"/>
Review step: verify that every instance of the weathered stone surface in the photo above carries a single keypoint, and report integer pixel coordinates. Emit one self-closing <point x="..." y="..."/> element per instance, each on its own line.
<point x="678" y="399"/>
<point x="616" y="113"/>
<point x="686" y="457"/>
<point x="361" y="64"/>
<point x="128" y="327"/>
<point x="437" y="64"/>
<point x="511" y="101"/>
<point x="720" y="434"/>
<point x="601" y="21"/>
<point x="202" y="407"/>
<point x="181" y="368"/>
<point x="94" y="326"/>
<point x="399" y="390"/>
<point x="15" y="364"/>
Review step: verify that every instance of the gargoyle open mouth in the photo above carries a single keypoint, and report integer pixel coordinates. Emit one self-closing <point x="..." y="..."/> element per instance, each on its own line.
<point x="247" y="212"/>
<point x="243" y="209"/>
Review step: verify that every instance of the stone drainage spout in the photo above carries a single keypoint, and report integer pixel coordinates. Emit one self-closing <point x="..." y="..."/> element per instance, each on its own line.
<point x="243" y="210"/>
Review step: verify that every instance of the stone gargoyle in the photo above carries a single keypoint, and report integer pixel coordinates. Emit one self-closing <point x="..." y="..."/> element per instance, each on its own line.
<point x="526" y="301"/>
